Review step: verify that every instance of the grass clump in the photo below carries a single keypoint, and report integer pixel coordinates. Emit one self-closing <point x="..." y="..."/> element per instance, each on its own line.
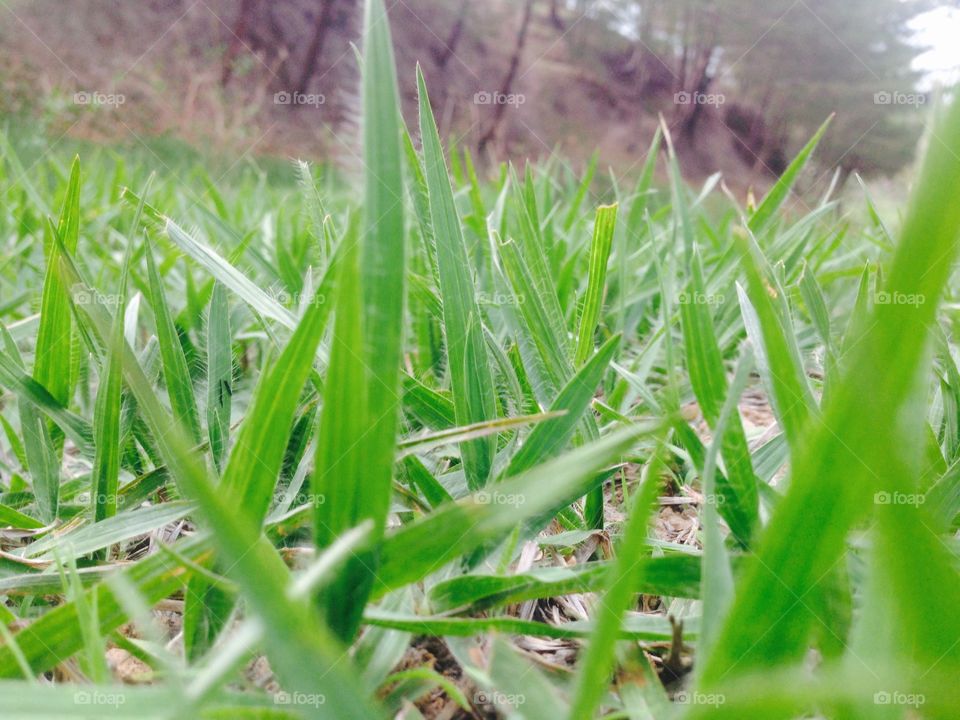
<point x="455" y="419"/>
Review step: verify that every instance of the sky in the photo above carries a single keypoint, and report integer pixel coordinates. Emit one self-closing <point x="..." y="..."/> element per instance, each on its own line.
<point x="939" y="29"/>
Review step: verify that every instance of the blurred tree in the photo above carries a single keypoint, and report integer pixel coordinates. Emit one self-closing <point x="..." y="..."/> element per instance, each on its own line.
<point x="443" y="54"/>
<point x="506" y="85"/>
<point x="783" y="66"/>
<point x="315" y="47"/>
<point x="798" y="62"/>
<point x="237" y="33"/>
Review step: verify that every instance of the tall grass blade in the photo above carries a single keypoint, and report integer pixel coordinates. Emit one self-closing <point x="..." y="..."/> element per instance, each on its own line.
<point x="470" y="375"/>
<point x="603" y="231"/>
<point x="856" y="449"/>
<point x="175" y="370"/>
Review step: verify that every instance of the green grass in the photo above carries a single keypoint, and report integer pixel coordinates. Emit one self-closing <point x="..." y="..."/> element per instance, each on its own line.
<point x="323" y="421"/>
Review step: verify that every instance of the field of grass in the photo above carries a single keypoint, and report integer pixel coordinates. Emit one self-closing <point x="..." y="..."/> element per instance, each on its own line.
<point x="414" y="444"/>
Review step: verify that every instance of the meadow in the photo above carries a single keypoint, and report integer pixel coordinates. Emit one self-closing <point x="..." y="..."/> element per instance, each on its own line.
<point x="423" y="441"/>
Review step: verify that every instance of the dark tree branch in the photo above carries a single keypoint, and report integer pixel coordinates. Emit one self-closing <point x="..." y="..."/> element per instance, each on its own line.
<point x="507" y="83"/>
<point x="315" y="48"/>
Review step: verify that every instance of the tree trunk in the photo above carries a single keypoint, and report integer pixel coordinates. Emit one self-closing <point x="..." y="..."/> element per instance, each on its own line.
<point x="555" y="18"/>
<point x="315" y="48"/>
<point x="236" y="40"/>
<point x="703" y="80"/>
<point x="500" y="107"/>
<point x="443" y="55"/>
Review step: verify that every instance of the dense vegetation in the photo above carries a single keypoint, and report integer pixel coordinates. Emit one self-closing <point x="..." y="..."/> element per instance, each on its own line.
<point x="416" y="442"/>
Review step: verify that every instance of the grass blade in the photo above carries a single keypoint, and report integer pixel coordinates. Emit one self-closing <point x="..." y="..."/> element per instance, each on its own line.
<point x="603" y="230"/>
<point x="470" y="375"/>
<point x="219" y="374"/>
<point x="175" y="371"/>
<point x="767" y="209"/>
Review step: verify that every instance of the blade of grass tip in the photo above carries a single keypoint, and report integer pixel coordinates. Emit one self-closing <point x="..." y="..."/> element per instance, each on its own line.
<point x="54" y="334"/>
<point x="675" y="575"/>
<point x="631" y="231"/>
<point x="175" y="371"/>
<point x="859" y="319"/>
<point x="533" y="320"/>
<point x="769" y="328"/>
<point x="463" y="433"/>
<point x="642" y="190"/>
<point x="766" y="211"/>
<point x="874" y="215"/>
<point x="532" y="245"/>
<point x="857" y="450"/>
<point x="603" y="230"/>
<point x="16" y="445"/>
<point x="816" y="305"/>
<point x="471" y="379"/>
<point x="574" y="208"/>
<point x="596" y="666"/>
<point x="418" y="476"/>
<point x="219" y="374"/>
<point x="678" y="189"/>
<point x="740" y="498"/>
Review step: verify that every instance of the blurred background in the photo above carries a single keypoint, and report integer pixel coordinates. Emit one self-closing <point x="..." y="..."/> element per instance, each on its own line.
<point x="741" y="83"/>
